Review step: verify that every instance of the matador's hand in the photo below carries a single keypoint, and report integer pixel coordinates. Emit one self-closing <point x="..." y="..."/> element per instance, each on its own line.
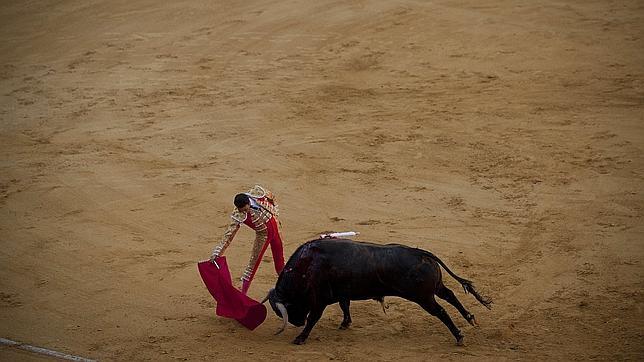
<point x="213" y="259"/>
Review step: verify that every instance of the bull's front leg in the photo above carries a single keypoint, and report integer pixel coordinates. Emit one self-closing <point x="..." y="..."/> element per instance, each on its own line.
<point x="346" y="320"/>
<point x="313" y="317"/>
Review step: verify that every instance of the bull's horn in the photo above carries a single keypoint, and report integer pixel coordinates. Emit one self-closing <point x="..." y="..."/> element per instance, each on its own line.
<point x="284" y="313"/>
<point x="267" y="295"/>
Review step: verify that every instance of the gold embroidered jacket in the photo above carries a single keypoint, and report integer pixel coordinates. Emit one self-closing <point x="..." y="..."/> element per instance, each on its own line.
<point x="258" y="218"/>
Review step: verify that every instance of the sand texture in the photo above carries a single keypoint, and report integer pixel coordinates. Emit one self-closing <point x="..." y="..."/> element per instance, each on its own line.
<point x="506" y="137"/>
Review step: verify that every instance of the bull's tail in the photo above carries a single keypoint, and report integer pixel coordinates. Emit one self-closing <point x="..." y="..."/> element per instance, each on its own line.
<point x="468" y="286"/>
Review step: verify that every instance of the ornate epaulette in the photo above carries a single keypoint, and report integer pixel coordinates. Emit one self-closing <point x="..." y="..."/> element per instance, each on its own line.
<point x="257" y="192"/>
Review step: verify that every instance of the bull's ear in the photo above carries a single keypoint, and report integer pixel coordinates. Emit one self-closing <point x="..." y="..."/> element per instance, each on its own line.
<point x="267" y="295"/>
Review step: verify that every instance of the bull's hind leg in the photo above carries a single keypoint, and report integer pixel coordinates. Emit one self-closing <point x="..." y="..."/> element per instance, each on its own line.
<point x="435" y="309"/>
<point x="445" y="293"/>
<point x="346" y="320"/>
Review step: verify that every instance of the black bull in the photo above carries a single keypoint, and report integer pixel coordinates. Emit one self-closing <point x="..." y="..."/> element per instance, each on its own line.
<point x="326" y="271"/>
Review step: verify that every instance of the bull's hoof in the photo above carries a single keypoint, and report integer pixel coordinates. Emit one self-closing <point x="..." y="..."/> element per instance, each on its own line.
<point x="460" y="341"/>
<point x="345" y="325"/>
<point x="299" y="341"/>
<point x="473" y="321"/>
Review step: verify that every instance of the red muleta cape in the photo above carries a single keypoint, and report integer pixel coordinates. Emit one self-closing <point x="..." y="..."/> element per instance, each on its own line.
<point x="231" y="303"/>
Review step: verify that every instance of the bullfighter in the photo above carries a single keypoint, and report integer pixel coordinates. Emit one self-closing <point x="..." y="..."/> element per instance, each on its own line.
<point x="258" y="210"/>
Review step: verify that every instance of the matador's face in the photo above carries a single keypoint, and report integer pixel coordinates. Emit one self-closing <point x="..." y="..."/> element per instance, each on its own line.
<point x="244" y="208"/>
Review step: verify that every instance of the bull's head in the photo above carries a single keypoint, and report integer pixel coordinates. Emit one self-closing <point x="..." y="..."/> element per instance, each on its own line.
<point x="289" y="312"/>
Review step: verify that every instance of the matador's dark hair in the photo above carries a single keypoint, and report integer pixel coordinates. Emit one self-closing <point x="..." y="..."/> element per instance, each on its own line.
<point x="241" y="200"/>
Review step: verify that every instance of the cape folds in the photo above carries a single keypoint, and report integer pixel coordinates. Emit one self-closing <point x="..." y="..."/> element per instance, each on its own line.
<point x="231" y="303"/>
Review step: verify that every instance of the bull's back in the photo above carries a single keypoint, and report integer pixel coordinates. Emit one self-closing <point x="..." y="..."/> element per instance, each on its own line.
<point x="363" y="270"/>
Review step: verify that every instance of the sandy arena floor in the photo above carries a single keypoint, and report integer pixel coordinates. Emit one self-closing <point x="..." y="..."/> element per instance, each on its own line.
<point x="506" y="137"/>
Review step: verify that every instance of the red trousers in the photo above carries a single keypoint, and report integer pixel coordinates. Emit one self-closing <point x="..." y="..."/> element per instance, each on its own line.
<point x="273" y="238"/>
